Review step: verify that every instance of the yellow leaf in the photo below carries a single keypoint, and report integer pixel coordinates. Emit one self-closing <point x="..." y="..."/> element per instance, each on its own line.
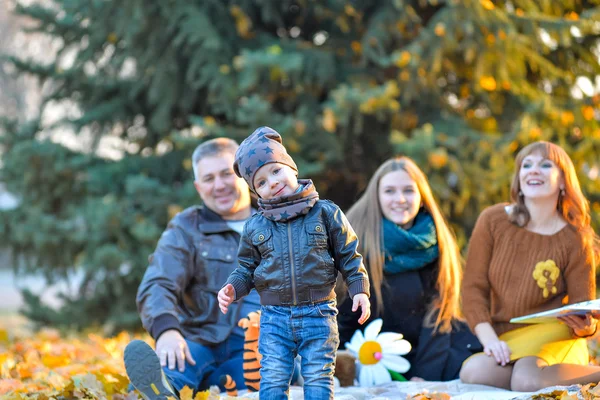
<point x="588" y="114"/>
<point x="440" y="29"/>
<point x="488" y="83"/>
<point x="224" y="69"/>
<point x="173" y="209"/>
<point x="274" y="49"/>
<point x="205" y="395"/>
<point x="186" y="393"/>
<point x="53" y="361"/>
<point x="567" y="118"/>
<point x="4" y="336"/>
<point x="112" y="38"/>
<point x="535" y="133"/>
<point x="438" y="158"/>
<point x="329" y="120"/>
<point x="487" y="4"/>
<point x="403" y="59"/>
<point x="572" y="16"/>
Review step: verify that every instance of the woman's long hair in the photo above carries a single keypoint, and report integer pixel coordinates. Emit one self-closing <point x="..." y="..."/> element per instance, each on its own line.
<point x="571" y="204"/>
<point x="365" y="217"/>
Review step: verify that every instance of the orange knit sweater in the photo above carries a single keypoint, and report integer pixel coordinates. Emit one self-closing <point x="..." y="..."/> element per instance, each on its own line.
<point x="499" y="281"/>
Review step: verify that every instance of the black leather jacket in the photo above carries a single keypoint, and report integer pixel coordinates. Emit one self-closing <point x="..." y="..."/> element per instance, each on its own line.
<point x="297" y="261"/>
<point x="193" y="258"/>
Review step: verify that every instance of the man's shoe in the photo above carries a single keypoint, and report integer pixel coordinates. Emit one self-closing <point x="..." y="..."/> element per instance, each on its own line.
<point x="145" y="373"/>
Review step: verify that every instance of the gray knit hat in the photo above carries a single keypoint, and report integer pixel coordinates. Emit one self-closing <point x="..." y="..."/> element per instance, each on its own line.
<point x="262" y="147"/>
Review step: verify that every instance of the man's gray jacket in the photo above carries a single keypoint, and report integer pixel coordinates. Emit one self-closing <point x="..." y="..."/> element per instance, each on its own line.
<point x="193" y="258"/>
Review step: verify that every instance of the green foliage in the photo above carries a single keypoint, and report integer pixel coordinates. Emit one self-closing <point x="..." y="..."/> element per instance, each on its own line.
<point x="460" y="86"/>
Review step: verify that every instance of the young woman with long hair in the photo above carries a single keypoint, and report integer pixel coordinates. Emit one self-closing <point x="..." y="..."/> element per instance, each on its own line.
<point x="415" y="270"/>
<point x="535" y="254"/>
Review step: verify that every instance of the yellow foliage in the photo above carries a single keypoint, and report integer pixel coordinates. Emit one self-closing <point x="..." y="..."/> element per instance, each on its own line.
<point x="572" y="16"/>
<point x="274" y="49"/>
<point x="535" y="133"/>
<point x="487" y="4"/>
<point x="391" y="89"/>
<point x="440" y="29"/>
<point x="488" y="83"/>
<point x="292" y="145"/>
<point x="224" y="69"/>
<point x="403" y="59"/>
<point x="438" y="158"/>
<point x="329" y="120"/>
<point x="174" y="209"/>
<point x="186" y="393"/>
<point x="300" y="127"/>
<point x="490" y="124"/>
<point x="567" y="118"/>
<point x="243" y="23"/>
<point x="112" y="38"/>
<point x="356" y="46"/>
<point x="588" y="112"/>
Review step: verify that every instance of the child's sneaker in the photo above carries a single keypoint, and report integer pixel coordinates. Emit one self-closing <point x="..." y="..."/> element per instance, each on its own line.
<point x="145" y="373"/>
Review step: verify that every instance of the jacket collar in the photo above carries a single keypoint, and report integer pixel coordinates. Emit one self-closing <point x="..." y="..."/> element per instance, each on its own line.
<point x="211" y="222"/>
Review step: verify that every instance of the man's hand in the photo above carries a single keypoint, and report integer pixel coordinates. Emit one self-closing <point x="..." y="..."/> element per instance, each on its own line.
<point x="499" y="350"/>
<point x="226" y="296"/>
<point x="171" y="347"/>
<point x="362" y="300"/>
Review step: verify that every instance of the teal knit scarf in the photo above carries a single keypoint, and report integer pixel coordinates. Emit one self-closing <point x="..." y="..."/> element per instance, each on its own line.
<point x="409" y="250"/>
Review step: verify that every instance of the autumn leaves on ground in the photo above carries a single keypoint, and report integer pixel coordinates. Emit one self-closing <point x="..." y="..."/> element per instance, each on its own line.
<point x="49" y="365"/>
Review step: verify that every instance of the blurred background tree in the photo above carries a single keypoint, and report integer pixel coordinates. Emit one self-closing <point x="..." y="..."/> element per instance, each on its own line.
<point x="459" y="85"/>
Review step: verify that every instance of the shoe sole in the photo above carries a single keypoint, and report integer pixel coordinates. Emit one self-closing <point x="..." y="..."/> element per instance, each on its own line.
<point x="144" y="371"/>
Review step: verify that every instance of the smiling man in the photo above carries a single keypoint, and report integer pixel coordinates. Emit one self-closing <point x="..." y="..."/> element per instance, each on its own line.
<point x="177" y="299"/>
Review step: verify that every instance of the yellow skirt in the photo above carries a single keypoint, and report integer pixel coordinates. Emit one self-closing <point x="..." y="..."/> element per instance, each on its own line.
<point x="551" y="342"/>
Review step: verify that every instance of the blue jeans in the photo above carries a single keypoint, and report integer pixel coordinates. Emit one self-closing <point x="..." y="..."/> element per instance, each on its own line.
<point x="212" y="362"/>
<point x="286" y="331"/>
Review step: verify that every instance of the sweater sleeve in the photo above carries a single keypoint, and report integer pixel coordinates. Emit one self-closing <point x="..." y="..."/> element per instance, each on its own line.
<point x="476" y="285"/>
<point x="580" y="276"/>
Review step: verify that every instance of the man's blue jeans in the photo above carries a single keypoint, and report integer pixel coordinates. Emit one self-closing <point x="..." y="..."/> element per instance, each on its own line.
<point x="211" y="363"/>
<point x="309" y="330"/>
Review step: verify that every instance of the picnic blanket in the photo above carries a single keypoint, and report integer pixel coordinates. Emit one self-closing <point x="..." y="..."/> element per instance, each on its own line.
<point x="400" y="390"/>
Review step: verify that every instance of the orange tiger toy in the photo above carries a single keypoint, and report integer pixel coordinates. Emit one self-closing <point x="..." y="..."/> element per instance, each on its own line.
<point x="251" y="326"/>
<point x="230" y="386"/>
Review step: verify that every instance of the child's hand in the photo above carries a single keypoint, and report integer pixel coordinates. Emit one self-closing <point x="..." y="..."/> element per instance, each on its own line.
<point x="362" y="300"/>
<point x="226" y="296"/>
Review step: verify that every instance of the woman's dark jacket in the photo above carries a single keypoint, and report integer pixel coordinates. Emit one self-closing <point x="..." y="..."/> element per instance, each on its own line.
<point x="406" y="296"/>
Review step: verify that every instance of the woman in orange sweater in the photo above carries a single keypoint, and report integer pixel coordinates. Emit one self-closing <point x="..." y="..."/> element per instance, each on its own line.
<point x="532" y="255"/>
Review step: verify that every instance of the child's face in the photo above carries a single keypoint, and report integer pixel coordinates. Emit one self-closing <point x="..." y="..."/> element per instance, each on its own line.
<point x="275" y="180"/>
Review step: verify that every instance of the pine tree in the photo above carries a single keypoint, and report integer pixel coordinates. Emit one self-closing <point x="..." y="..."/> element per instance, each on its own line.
<point x="459" y="85"/>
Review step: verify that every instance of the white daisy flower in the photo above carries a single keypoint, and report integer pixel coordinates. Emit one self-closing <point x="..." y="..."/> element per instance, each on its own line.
<point x="377" y="352"/>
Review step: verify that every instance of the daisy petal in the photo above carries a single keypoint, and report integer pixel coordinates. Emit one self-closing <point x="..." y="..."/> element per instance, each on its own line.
<point x="380" y="374"/>
<point x="373" y="329"/>
<point x="356" y="341"/>
<point x="365" y="378"/>
<point x="387" y="337"/>
<point x="400" y="347"/>
<point x="395" y="363"/>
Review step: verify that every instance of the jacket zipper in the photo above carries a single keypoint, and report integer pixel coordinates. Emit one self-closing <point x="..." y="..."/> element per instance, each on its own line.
<point x="293" y="268"/>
